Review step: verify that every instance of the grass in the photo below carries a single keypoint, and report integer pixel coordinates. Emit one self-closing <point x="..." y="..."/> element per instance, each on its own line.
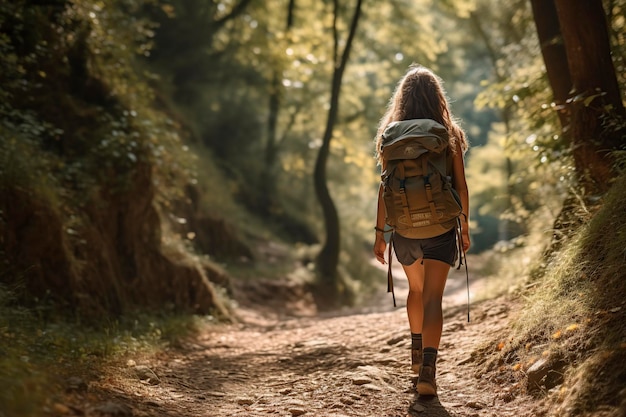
<point x="39" y="353"/>
<point x="575" y="313"/>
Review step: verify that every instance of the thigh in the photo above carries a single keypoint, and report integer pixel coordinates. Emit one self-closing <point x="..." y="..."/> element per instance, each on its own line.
<point x="435" y="277"/>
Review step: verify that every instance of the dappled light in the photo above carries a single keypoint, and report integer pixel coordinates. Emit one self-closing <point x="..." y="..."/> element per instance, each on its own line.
<point x="188" y="208"/>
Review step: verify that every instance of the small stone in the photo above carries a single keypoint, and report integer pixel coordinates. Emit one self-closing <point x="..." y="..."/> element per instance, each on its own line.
<point x="361" y="380"/>
<point x="418" y="408"/>
<point x="466" y="360"/>
<point x="373" y="387"/>
<point x="297" y="411"/>
<point x="507" y="397"/>
<point x="285" y="391"/>
<point x="146" y="374"/>
<point x="395" y="340"/>
<point x="546" y="373"/>
<point x="245" y="401"/>
<point x="61" y="409"/>
<point x="476" y="405"/>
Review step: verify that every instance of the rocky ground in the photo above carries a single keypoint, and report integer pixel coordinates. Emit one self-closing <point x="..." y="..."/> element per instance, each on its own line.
<point x="351" y="363"/>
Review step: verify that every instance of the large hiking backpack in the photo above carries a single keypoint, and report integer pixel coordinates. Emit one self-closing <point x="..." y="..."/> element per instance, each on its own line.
<point x="420" y="201"/>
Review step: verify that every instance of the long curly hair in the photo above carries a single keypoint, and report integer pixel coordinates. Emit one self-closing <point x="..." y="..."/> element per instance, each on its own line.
<point x="420" y="95"/>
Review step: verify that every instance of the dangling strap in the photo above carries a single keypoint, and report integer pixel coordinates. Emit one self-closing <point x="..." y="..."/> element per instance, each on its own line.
<point x="389" y="276"/>
<point x="462" y="259"/>
<point x="429" y="191"/>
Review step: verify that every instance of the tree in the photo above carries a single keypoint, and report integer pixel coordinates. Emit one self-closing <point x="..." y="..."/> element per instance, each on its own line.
<point x="596" y="125"/>
<point x="554" y="55"/>
<point x="328" y="258"/>
<point x="184" y="40"/>
<point x="586" y="96"/>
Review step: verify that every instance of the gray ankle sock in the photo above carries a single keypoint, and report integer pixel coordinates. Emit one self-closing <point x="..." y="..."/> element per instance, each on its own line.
<point x="416" y="341"/>
<point x="430" y="356"/>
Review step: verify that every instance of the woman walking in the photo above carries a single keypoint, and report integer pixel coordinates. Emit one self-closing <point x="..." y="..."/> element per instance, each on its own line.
<point x="420" y="96"/>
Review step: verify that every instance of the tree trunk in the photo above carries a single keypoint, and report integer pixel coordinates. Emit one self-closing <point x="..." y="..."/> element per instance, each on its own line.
<point x="554" y="56"/>
<point x="595" y="101"/>
<point x="328" y="258"/>
<point x="579" y="67"/>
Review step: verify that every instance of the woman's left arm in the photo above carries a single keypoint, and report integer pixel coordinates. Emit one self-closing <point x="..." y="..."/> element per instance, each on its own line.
<point x="460" y="185"/>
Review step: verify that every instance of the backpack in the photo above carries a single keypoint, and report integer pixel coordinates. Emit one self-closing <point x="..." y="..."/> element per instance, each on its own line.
<point x="419" y="199"/>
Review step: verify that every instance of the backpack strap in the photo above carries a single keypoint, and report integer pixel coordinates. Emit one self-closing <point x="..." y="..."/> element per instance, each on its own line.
<point x="389" y="275"/>
<point x="429" y="190"/>
<point x="462" y="258"/>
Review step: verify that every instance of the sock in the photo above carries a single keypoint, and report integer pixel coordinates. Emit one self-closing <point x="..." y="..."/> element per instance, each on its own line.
<point x="416" y="341"/>
<point x="430" y="356"/>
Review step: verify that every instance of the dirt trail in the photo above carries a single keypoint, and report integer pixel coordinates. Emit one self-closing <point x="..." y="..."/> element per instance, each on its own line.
<point x="347" y="364"/>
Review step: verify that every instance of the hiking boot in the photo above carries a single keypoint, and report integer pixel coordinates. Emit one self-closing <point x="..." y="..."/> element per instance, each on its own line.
<point x="426" y="384"/>
<point x="416" y="360"/>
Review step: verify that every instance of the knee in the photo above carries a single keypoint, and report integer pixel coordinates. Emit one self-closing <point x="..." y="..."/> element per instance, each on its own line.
<point x="415" y="292"/>
<point x="432" y="304"/>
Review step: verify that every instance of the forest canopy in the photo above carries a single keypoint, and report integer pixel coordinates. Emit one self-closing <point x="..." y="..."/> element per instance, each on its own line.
<point x="192" y="128"/>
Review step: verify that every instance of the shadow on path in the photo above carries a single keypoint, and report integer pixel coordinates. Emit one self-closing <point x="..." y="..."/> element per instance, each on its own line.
<point x="427" y="407"/>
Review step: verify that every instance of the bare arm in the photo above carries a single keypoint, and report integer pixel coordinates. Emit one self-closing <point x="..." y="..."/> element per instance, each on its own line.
<point x="380" y="244"/>
<point x="460" y="185"/>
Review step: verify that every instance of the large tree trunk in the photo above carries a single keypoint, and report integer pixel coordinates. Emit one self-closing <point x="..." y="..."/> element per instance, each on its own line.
<point x="595" y="100"/>
<point x="579" y="67"/>
<point x="328" y="258"/>
<point x="554" y="55"/>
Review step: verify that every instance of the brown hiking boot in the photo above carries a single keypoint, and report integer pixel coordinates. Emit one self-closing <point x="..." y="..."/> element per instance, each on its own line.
<point x="416" y="360"/>
<point x="426" y="384"/>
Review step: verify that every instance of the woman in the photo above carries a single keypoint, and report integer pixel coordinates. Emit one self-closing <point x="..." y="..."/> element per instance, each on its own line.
<point x="426" y="262"/>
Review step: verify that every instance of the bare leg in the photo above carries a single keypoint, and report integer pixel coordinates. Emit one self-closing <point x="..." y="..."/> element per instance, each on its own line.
<point x="414" y="303"/>
<point x="436" y="273"/>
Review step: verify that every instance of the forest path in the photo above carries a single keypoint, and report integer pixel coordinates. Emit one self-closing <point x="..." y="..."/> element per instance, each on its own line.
<point x="351" y="364"/>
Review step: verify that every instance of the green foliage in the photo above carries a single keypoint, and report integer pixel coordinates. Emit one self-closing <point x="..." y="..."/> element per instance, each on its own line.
<point x="540" y="165"/>
<point x="77" y="99"/>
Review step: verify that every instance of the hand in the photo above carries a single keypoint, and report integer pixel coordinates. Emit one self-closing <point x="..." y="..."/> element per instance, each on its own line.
<point x="379" y="248"/>
<point x="466" y="238"/>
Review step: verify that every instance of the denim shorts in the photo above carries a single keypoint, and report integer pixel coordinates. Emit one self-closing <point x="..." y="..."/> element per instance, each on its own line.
<point x="441" y="248"/>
